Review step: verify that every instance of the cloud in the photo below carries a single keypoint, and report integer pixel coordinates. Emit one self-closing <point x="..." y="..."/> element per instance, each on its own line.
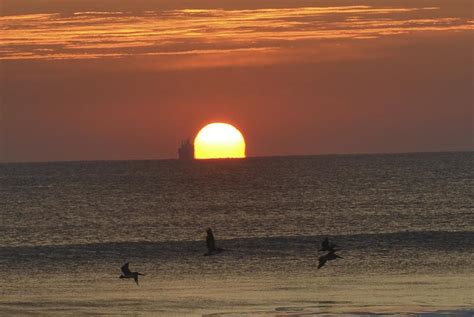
<point x="197" y="36"/>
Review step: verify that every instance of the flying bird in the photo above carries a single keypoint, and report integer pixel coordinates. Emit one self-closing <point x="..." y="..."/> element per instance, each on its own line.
<point x="126" y="273"/>
<point x="327" y="257"/>
<point x="328" y="246"/>
<point x="211" y="244"/>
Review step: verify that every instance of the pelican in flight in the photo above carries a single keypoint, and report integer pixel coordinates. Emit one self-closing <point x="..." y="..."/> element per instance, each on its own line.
<point x="328" y="257"/>
<point x="328" y="246"/>
<point x="211" y="244"/>
<point x="126" y="273"/>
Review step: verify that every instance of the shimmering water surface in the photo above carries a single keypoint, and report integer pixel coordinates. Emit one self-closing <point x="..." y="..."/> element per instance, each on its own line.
<point x="406" y="223"/>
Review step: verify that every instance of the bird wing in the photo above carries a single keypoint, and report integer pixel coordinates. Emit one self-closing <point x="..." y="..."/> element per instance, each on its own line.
<point x="125" y="269"/>
<point x="322" y="261"/>
<point x="325" y="244"/>
<point x="210" y="242"/>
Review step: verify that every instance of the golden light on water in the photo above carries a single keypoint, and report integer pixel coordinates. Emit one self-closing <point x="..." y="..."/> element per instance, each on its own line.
<point x="219" y="140"/>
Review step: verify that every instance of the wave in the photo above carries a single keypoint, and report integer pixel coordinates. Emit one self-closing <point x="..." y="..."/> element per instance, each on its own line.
<point x="268" y="246"/>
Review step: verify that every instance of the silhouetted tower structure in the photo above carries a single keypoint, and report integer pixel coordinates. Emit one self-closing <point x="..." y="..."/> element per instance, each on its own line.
<point x="186" y="151"/>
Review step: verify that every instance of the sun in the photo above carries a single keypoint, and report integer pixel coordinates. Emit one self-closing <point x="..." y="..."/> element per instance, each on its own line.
<point x="219" y="140"/>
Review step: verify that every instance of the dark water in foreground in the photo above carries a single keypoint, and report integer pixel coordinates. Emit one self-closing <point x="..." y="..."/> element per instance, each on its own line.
<point x="406" y="222"/>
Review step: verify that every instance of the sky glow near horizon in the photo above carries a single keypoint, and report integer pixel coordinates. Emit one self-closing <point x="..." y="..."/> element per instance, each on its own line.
<point x="128" y="79"/>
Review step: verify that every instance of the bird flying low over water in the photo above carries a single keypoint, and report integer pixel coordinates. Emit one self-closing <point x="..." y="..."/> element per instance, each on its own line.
<point x="327" y="257"/>
<point x="331" y="255"/>
<point x="328" y="246"/>
<point x="126" y="273"/>
<point x="211" y="244"/>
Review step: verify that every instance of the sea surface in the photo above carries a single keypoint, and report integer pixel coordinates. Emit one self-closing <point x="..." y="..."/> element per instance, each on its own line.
<point x="405" y="223"/>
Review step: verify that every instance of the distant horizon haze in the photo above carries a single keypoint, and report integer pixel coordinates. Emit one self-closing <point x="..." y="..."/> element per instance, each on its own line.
<point x="245" y="158"/>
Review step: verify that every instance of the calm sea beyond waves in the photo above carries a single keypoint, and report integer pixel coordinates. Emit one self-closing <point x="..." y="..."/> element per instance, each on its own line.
<point x="404" y="224"/>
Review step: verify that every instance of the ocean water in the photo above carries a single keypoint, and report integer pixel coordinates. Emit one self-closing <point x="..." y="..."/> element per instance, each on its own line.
<point x="405" y="221"/>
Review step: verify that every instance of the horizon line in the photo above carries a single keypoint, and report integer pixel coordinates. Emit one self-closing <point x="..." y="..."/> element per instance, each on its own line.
<point x="231" y="159"/>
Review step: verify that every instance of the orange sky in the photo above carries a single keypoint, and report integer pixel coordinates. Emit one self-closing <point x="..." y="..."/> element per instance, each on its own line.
<point x="130" y="79"/>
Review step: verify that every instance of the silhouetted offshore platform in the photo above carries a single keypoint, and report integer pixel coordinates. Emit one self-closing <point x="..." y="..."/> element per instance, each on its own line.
<point x="186" y="151"/>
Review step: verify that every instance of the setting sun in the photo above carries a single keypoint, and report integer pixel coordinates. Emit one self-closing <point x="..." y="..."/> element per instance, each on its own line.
<point x="219" y="140"/>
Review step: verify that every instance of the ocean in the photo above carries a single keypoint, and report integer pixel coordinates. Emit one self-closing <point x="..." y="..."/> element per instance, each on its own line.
<point x="405" y="223"/>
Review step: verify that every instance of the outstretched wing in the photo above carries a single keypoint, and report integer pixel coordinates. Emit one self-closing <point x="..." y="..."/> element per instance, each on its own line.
<point x="136" y="278"/>
<point x="322" y="261"/>
<point x="325" y="244"/>
<point x="125" y="269"/>
<point x="210" y="242"/>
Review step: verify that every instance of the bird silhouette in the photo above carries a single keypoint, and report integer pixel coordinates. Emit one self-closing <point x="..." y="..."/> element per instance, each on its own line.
<point x="126" y="273"/>
<point x="211" y="244"/>
<point x="327" y="257"/>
